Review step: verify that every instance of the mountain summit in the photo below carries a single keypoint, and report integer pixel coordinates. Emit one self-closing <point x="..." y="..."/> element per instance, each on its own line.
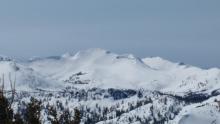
<point x="137" y="87"/>
<point x="104" y="69"/>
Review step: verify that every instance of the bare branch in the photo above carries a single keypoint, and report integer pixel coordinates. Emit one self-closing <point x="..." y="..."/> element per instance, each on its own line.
<point x="12" y="84"/>
<point x="2" y="81"/>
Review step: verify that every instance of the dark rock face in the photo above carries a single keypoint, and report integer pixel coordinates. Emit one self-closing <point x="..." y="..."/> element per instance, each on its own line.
<point x="190" y="97"/>
<point x="215" y="92"/>
<point x="195" y="98"/>
<point x="121" y="94"/>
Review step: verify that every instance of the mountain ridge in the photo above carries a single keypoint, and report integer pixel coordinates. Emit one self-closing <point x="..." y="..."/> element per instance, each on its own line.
<point x="105" y="69"/>
<point x="110" y="88"/>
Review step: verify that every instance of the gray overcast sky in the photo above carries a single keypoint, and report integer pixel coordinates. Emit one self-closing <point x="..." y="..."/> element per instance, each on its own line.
<point x="186" y="30"/>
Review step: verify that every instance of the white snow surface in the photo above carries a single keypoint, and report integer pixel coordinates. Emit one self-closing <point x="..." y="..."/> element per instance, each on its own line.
<point x="25" y="78"/>
<point x="105" y="69"/>
<point x="207" y="112"/>
<point x="109" y="70"/>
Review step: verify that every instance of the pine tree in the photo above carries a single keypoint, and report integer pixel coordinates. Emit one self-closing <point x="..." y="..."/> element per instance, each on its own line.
<point x="33" y="109"/>
<point x="140" y="94"/>
<point x="66" y="118"/>
<point x="6" y="112"/>
<point x="77" y="117"/>
<point x="18" y="119"/>
<point x="52" y="115"/>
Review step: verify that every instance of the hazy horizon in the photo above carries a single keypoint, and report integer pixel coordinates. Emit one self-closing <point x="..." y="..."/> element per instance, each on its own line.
<point x="186" y="31"/>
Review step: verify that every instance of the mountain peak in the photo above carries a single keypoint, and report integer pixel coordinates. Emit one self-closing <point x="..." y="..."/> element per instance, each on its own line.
<point x="94" y="51"/>
<point x="159" y="63"/>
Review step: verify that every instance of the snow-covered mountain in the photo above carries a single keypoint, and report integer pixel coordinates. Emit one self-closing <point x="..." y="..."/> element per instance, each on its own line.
<point x="26" y="78"/>
<point x="120" y="88"/>
<point x="104" y="69"/>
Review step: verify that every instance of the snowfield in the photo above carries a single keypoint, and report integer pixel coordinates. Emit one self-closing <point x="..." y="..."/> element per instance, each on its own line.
<point x="111" y="88"/>
<point x="104" y="69"/>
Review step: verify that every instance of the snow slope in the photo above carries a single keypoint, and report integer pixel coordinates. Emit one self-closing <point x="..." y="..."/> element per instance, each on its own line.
<point x="186" y="78"/>
<point x="96" y="77"/>
<point x="207" y="112"/>
<point x="109" y="70"/>
<point x="26" y="79"/>
<point x="104" y="69"/>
